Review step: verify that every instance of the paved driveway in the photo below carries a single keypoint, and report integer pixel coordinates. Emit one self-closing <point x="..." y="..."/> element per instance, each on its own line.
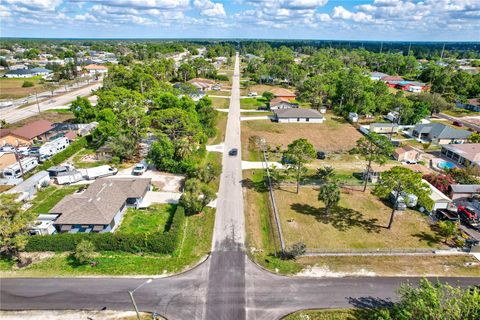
<point x="153" y="197"/>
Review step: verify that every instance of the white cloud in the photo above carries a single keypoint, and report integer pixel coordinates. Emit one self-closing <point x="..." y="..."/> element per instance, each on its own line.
<point x="46" y="5"/>
<point x="342" y="13"/>
<point x="209" y="8"/>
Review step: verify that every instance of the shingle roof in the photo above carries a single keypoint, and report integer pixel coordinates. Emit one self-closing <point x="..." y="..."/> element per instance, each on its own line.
<point x="100" y="202"/>
<point x="442" y="131"/>
<point x="465" y="188"/>
<point x="278" y="100"/>
<point x="469" y="151"/>
<point x="298" y="113"/>
<point x="33" y="129"/>
<point x="20" y="71"/>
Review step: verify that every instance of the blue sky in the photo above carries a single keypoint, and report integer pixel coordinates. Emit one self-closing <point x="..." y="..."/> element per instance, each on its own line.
<point x="427" y="20"/>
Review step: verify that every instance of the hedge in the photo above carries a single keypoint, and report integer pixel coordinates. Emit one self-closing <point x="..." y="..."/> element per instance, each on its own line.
<point x="164" y="243"/>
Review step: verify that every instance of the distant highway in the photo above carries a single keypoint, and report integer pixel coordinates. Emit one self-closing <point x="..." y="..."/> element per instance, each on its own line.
<point x="16" y="113"/>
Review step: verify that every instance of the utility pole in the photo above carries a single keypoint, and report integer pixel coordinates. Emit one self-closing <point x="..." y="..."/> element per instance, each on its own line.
<point x="409" y="47"/>
<point x="130" y="293"/>
<point x="38" y="104"/>
<point x="381" y="47"/>
<point x="398" y="190"/>
<point x="19" y="160"/>
<point x="443" y="50"/>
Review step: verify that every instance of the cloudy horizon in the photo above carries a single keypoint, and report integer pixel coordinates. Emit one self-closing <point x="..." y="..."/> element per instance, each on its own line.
<point x="352" y="20"/>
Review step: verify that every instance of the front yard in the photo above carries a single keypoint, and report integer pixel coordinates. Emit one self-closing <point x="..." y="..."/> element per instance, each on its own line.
<point x="359" y="223"/>
<point x="253" y="103"/>
<point x="334" y="135"/>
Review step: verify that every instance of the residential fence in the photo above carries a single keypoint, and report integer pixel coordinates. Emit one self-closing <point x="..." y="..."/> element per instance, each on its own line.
<point x="274" y="204"/>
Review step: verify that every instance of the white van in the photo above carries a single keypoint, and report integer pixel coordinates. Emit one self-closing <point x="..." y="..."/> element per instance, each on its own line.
<point x="14" y="170"/>
<point x="98" y="172"/>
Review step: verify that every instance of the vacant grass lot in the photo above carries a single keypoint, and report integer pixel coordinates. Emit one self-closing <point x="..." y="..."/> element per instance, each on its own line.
<point x="357" y="224"/>
<point x="221" y="128"/>
<point x="78" y="161"/>
<point x="47" y="198"/>
<point x="459" y="112"/>
<point x="253" y="103"/>
<point x="12" y="88"/>
<point x="334" y="135"/>
<point x="220" y="103"/>
<point x="150" y="220"/>
<point x="219" y="93"/>
<point x="50" y="115"/>
<point x="195" y="245"/>
<point x="259" y="89"/>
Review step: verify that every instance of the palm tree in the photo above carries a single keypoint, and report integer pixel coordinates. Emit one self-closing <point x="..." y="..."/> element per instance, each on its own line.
<point x="330" y="195"/>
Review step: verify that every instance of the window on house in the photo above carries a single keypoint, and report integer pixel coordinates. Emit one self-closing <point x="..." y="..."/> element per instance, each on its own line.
<point x="307" y="119"/>
<point x="298" y="119"/>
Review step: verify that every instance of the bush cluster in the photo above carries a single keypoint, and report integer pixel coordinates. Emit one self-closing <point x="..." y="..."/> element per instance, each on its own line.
<point x="27" y="84"/>
<point x="164" y="243"/>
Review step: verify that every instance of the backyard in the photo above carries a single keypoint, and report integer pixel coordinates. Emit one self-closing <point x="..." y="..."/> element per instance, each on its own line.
<point x="150" y="220"/>
<point x="47" y="198"/>
<point x="12" y="88"/>
<point x="334" y="135"/>
<point x="358" y="223"/>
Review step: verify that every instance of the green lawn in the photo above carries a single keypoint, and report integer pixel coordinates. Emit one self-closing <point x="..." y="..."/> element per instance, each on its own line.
<point x="253" y="103"/>
<point x="78" y="163"/>
<point x="221" y="128"/>
<point x="220" y="103"/>
<point x="345" y="314"/>
<point x="47" y="198"/>
<point x="459" y="112"/>
<point x="150" y="220"/>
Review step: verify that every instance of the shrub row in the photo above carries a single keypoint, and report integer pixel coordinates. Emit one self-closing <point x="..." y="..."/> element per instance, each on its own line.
<point x="64" y="155"/>
<point x="158" y="243"/>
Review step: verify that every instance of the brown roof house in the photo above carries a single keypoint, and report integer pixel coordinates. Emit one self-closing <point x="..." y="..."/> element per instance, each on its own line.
<point x="283" y="93"/>
<point x="202" y="84"/>
<point x="407" y="154"/>
<point x="101" y="207"/>
<point x="28" y="134"/>
<point x="281" y="103"/>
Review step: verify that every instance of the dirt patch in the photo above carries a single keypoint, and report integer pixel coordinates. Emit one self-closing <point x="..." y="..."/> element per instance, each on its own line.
<point x="12" y="88"/>
<point x="55" y="117"/>
<point x="334" y="135"/>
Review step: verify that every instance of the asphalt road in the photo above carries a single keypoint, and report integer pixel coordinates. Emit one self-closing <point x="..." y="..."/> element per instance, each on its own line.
<point x="465" y="123"/>
<point x="227" y="286"/>
<point x="16" y="113"/>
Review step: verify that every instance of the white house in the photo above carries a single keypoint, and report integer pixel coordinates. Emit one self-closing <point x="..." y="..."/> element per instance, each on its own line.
<point x="282" y="103"/>
<point x="298" y="115"/>
<point x="94" y="69"/>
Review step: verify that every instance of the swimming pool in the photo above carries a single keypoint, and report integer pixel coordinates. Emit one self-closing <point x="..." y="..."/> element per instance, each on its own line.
<point x="446" y="165"/>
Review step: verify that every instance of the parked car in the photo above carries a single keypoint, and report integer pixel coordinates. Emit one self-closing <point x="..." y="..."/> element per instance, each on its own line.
<point x="458" y="124"/>
<point x="7" y="148"/>
<point x="469" y="216"/>
<point x="411" y="162"/>
<point x="252" y="94"/>
<point x="447" y="215"/>
<point x="233" y="152"/>
<point x="139" y="169"/>
<point x="321" y="155"/>
<point x="216" y="87"/>
<point x="25" y="150"/>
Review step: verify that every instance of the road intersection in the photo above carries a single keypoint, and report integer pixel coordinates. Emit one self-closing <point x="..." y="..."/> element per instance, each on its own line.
<point x="226" y="286"/>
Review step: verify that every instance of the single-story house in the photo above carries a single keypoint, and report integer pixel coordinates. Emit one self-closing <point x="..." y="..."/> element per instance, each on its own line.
<point x="27" y="188"/>
<point x="26" y="135"/>
<point x="377" y="75"/>
<point x="7" y="159"/>
<point x="384" y="127"/>
<point x="93" y="69"/>
<point x="392" y="81"/>
<point x="412" y="86"/>
<point x="461" y="191"/>
<point x="202" y="84"/>
<point x="297" y="115"/>
<point x="439" y="133"/>
<point x="407" y="153"/>
<point x="101" y="207"/>
<point x="471" y="104"/>
<point x="283" y="93"/>
<point x="282" y="103"/>
<point x="467" y="154"/>
<point x="440" y="201"/>
<point x="27" y="73"/>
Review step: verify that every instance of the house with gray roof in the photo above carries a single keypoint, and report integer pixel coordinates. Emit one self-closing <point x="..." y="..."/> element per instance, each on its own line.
<point x="462" y="191"/>
<point x="101" y="207"/>
<point x="298" y="115"/>
<point x="439" y="133"/>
